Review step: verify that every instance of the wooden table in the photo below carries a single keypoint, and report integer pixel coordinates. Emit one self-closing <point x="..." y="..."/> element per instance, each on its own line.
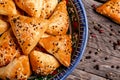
<point x="101" y="60"/>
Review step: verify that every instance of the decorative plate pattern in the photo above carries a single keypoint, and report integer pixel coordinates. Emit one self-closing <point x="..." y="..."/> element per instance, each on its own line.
<point x="79" y="31"/>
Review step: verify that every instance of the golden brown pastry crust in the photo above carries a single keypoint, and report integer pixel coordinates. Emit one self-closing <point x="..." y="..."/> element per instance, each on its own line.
<point x="48" y="8"/>
<point x="32" y="7"/>
<point x="59" y="21"/>
<point x="3" y="26"/>
<point x="7" y="7"/>
<point x="27" y="31"/>
<point x="8" y="48"/>
<point x="110" y="9"/>
<point x="42" y="63"/>
<point x="18" y="69"/>
<point x="45" y="35"/>
<point x="59" y="46"/>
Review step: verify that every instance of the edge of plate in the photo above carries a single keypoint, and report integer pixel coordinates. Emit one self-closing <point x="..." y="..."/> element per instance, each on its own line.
<point x="84" y="42"/>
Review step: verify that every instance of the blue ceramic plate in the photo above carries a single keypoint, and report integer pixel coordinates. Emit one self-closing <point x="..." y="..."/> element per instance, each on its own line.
<point x="79" y="31"/>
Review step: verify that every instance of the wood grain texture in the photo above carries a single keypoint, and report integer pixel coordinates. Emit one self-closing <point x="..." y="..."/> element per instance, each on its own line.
<point x="101" y="60"/>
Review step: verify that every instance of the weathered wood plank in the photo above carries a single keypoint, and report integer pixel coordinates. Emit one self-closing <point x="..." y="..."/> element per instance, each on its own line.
<point x="82" y="75"/>
<point x="101" y="58"/>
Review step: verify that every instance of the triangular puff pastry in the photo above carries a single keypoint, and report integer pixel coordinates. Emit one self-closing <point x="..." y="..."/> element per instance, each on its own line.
<point x="27" y="31"/>
<point x="7" y="7"/>
<point x="59" y="46"/>
<point x="110" y="9"/>
<point x="18" y="69"/>
<point x="32" y="7"/>
<point x="48" y="8"/>
<point x="59" y="21"/>
<point x="8" y="48"/>
<point x="42" y="63"/>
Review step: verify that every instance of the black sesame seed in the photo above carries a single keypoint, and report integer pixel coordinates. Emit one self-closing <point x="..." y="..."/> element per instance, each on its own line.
<point x="34" y="25"/>
<point x="50" y="11"/>
<point x="14" y="20"/>
<point x="42" y="8"/>
<point x="41" y="27"/>
<point x="31" y="23"/>
<point x="47" y="6"/>
<point x="57" y="50"/>
<point x="20" y="26"/>
<point x="38" y="23"/>
<point x="29" y="45"/>
<point x="60" y="39"/>
<point x="1" y="55"/>
<point x="18" y="17"/>
<point x="3" y="6"/>
<point x="53" y="43"/>
<point x="56" y="44"/>
<point x="4" y="38"/>
<point x="52" y="49"/>
<point x="5" y="47"/>
<point x="60" y="15"/>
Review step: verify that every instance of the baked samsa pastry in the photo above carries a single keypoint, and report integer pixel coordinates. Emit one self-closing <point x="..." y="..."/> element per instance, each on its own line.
<point x="7" y="7"/>
<point x="18" y="69"/>
<point x="8" y="48"/>
<point x="42" y="63"/>
<point x="110" y="9"/>
<point x="32" y="7"/>
<point x="59" y="21"/>
<point x="59" y="46"/>
<point x="48" y="8"/>
<point x="27" y="31"/>
<point x="3" y="26"/>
